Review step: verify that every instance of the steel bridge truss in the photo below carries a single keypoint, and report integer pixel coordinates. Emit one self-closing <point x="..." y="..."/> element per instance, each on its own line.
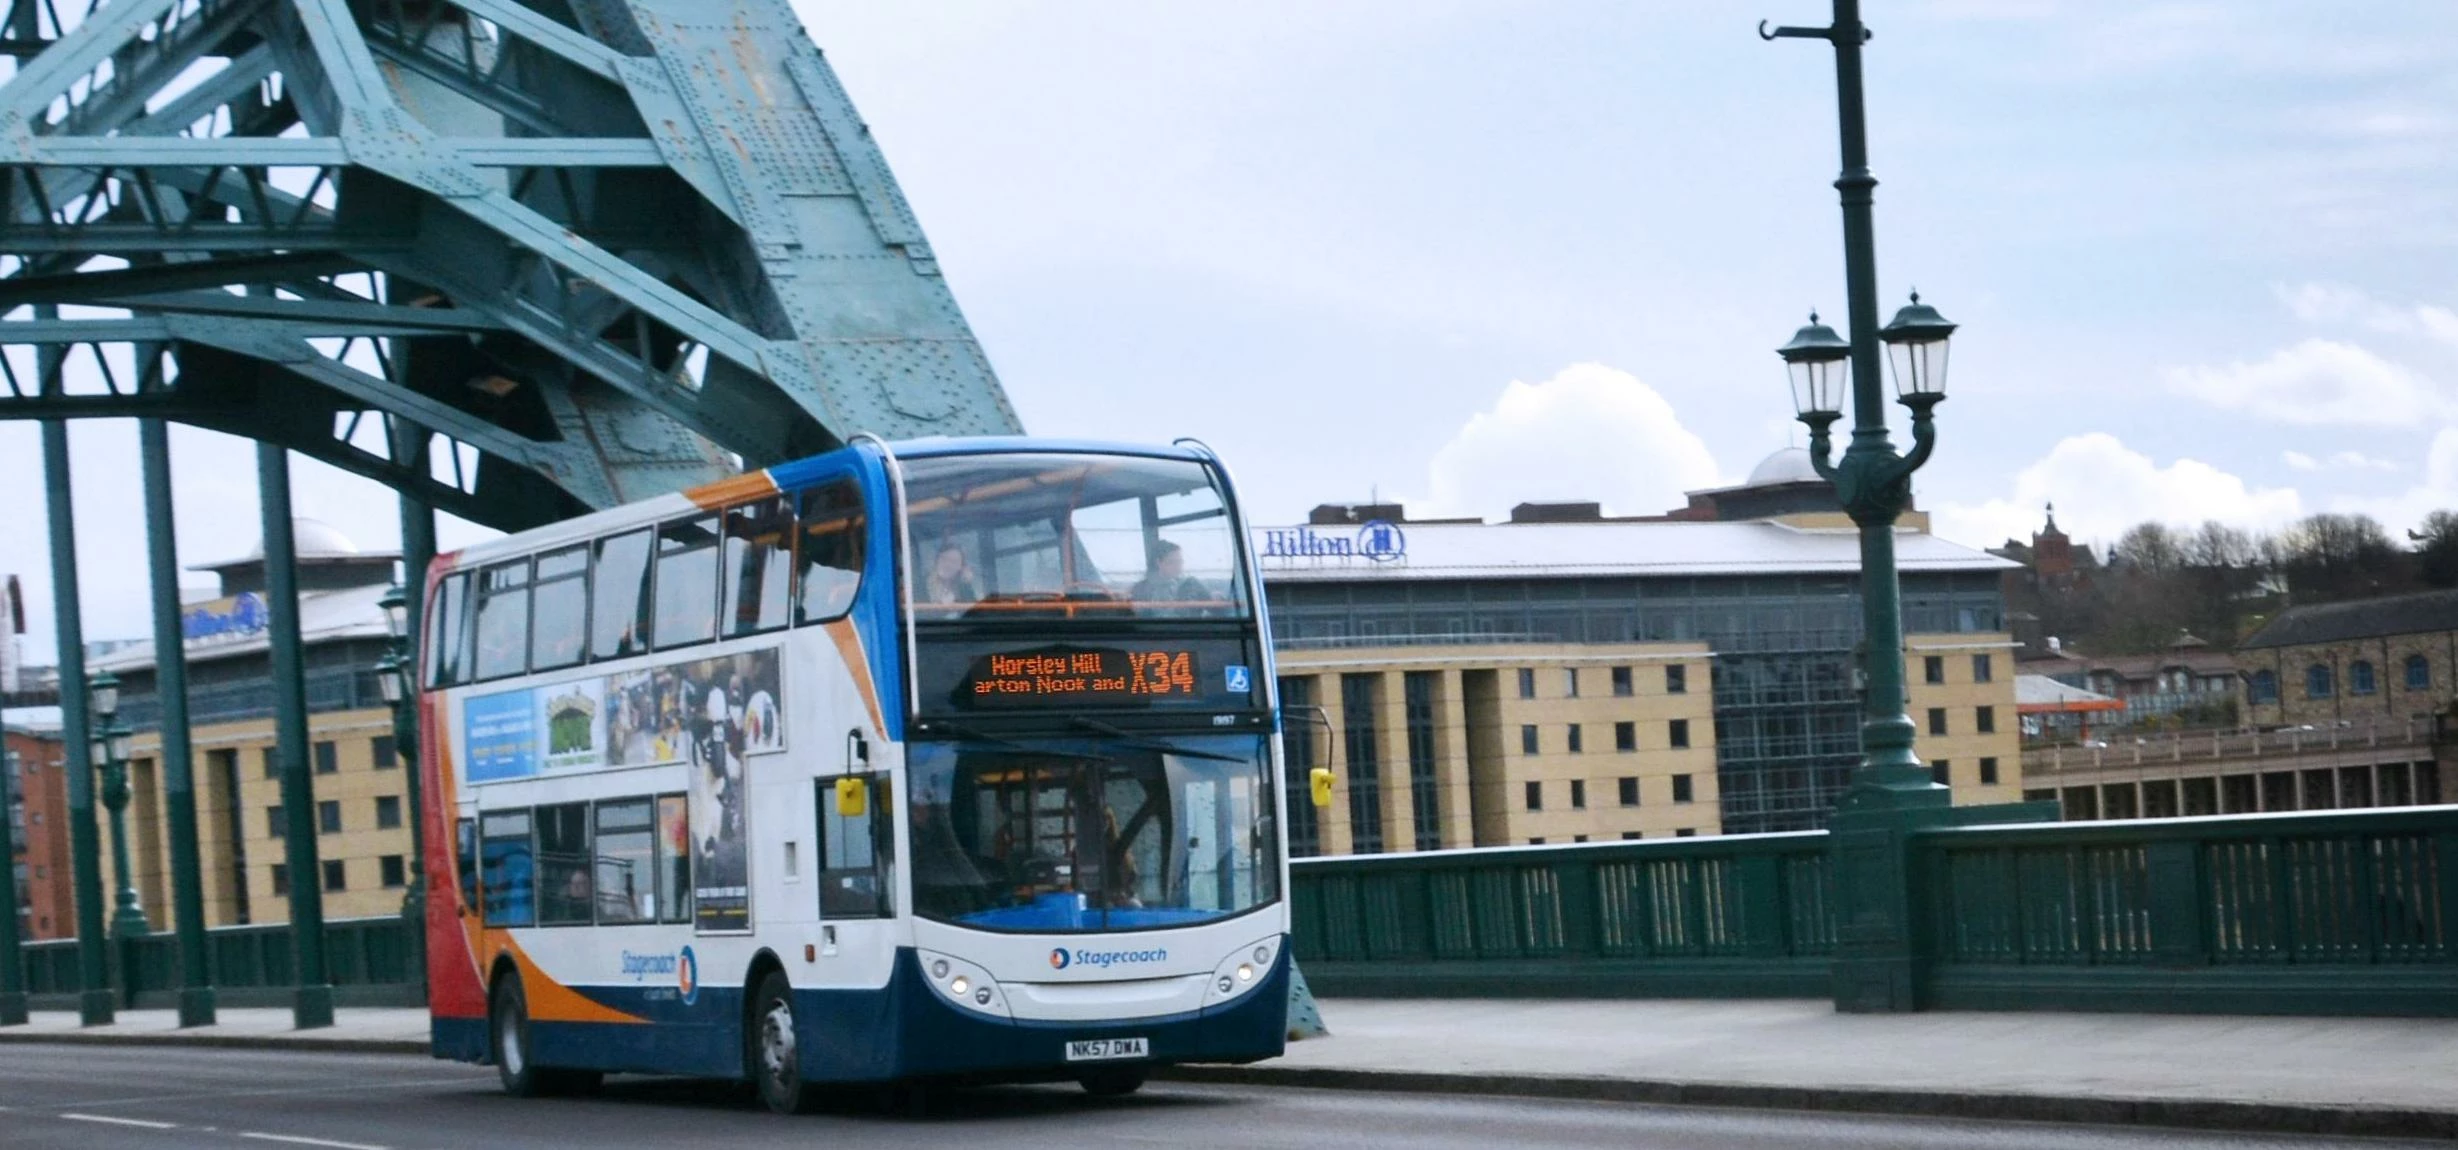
<point x="515" y="258"/>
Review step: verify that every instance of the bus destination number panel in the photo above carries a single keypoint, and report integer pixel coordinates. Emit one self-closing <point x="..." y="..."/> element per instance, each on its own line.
<point x="1200" y="674"/>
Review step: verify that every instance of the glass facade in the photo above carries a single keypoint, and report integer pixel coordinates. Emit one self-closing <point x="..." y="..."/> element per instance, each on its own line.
<point x="1365" y="762"/>
<point x="1787" y="711"/>
<point x="1424" y="786"/>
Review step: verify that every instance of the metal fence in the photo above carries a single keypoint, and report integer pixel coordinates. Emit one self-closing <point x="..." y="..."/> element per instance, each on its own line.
<point x="2339" y="913"/>
<point x="368" y="959"/>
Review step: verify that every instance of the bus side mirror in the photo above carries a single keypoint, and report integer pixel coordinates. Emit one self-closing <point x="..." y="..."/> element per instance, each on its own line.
<point x="1320" y="779"/>
<point x="852" y="797"/>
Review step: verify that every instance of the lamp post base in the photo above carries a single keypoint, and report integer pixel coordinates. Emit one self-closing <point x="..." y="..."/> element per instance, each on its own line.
<point x="311" y="1008"/>
<point x="196" y="1006"/>
<point x="13" y="1008"/>
<point x="94" y="1007"/>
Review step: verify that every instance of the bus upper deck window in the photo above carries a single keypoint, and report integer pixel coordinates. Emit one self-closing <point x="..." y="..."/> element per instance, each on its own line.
<point x="559" y="609"/>
<point x="686" y="581"/>
<point x="446" y="626"/>
<point x="832" y="529"/>
<point x="618" y="597"/>
<point x="503" y="619"/>
<point x="757" y="573"/>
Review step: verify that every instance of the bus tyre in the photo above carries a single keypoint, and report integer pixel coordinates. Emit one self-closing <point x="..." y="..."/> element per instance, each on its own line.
<point x="775" y="1049"/>
<point x="1115" y="1082"/>
<point x="515" y="1064"/>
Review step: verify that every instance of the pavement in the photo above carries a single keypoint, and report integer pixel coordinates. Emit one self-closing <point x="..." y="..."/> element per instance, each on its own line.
<point x="2312" y="1076"/>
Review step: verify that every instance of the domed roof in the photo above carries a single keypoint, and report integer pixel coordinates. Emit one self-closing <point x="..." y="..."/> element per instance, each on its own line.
<point x="309" y="539"/>
<point x="1789" y="465"/>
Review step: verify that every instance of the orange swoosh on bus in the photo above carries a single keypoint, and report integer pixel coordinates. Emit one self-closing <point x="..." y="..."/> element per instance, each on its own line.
<point x="849" y="645"/>
<point x="731" y="490"/>
<point x="551" y="1001"/>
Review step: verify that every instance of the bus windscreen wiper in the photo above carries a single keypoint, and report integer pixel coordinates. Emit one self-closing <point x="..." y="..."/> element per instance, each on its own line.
<point x="1141" y="743"/>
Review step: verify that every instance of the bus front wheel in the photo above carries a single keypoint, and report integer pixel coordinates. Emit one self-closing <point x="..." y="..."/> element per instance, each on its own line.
<point x="515" y="1066"/>
<point x="776" y="1054"/>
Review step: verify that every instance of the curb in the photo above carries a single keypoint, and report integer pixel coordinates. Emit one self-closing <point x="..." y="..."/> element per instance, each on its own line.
<point x="2183" y="1113"/>
<point x="221" y="1041"/>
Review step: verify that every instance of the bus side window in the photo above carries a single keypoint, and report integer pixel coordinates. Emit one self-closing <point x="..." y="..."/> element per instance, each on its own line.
<point x="626" y="862"/>
<point x="559" y="609"/>
<point x="503" y="620"/>
<point x="758" y="569"/>
<point x="619" y="597"/>
<point x="565" y="897"/>
<point x="673" y="859"/>
<point x="686" y="581"/>
<point x="509" y="868"/>
<point x="832" y="534"/>
<point x="446" y="629"/>
<point x="857" y="854"/>
<point x="465" y="860"/>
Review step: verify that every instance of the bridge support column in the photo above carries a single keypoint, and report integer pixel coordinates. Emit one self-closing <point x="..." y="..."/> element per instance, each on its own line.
<point x="312" y="1003"/>
<point x="12" y="957"/>
<point x="94" y="1006"/>
<point x="196" y="999"/>
<point x="417" y="551"/>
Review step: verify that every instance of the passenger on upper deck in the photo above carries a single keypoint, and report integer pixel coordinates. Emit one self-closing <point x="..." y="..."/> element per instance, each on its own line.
<point x="951" y="577"/>
<point x="1167" y="581"/>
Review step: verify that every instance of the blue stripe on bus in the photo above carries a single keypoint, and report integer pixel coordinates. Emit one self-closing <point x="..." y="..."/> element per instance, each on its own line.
<point x="902" y="1030"/>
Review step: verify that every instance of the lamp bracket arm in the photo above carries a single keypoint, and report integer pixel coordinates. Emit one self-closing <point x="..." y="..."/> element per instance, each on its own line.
<point x="1924" y="438"/>
<point x="1796" y="33"/>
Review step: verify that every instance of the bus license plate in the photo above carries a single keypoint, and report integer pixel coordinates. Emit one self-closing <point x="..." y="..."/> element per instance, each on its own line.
<point x="1104" y="1049"/>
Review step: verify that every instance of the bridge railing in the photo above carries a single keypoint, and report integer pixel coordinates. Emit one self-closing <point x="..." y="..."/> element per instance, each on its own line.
<point x="368" y="959"/>
<point x="1743" y="915"/>
<point x="2289" y="913"/>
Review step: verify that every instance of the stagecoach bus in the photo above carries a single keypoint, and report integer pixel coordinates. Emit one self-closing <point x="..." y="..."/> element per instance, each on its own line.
<point x="951" y="760"/>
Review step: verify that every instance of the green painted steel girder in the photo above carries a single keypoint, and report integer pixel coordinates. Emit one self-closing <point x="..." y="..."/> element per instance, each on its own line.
<point x="560" y="236"/>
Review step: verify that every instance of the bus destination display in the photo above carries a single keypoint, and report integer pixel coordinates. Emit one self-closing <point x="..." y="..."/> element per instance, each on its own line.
<point x="1091" y="675"/>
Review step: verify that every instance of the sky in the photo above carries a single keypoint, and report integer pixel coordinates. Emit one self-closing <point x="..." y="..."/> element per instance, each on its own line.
<point x="1466" y="254"/>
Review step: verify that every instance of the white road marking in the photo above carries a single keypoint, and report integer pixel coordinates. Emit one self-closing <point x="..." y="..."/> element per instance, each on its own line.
<point x="109" y="1120"/>
<point x="296" y="1140"/>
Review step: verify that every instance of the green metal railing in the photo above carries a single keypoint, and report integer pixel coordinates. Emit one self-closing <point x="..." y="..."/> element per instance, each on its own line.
<point x="2342" y="913"/>
<point x="1745" y="915"/>
<point x="368" y="959"/>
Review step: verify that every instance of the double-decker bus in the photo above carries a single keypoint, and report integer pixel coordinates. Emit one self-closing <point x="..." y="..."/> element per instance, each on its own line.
<point x="952" y="760"/>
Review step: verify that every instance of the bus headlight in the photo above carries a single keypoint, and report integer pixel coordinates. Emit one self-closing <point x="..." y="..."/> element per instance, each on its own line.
<point x="1246" y="972"/>
<point x="1242" y="971"/>
<point x="960" y="986"/>
<point x="956" y="981"/>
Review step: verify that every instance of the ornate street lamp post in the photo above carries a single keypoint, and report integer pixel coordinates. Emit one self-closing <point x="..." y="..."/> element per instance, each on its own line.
<point x="1891" y="792"/>
<point x="111" y="746"/>
<point x="396" y="677"/>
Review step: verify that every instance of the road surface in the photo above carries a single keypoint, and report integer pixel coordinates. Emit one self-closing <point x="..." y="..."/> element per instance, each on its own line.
<point x="78" y="1097"/>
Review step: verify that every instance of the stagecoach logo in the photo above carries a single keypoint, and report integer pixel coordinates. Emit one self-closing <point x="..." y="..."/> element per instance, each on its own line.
<point x="687" y="976"/>
<point x="1377" y="540"/>
<point x="1062" y="958"/>
<point x="1058" y="959"/>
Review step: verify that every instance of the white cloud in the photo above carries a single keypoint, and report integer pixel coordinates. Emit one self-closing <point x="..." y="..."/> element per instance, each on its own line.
<point x="2300" y="461"/>
<point x="1589" y="433"/>
<point x="2320" y="381"/>
<point x="2101" y="487"/>
<point x="2337" y="461"/>
<point x="2326" y="303"/>
<point x="2436" y="491"/>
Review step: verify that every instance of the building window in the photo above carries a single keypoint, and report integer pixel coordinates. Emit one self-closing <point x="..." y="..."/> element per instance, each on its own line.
<point x="1527" y="739"/>
<point x="2419" y="673"/>
<point x="2317" y="683"/>
<point x="1570" y="680"/>
<point x="391" y="870"/>
<point x="1681" y="789"/>
<point x="328" y="758"/>
<point x="1628" y="836"/>
<point x="1577" y="745"/>
<point x="1297" y="702"/>
<point x="281" y="881"/>
<point x="1625" y="737"/>
<point x="1424" y="786"/>
<point x="1984" y="720"/>
<point x="273" y="762"/>
<point x="1686" y="833"/>
<point x="1621" y="683"/>
<point x="2360" y="677"/>
<point x="1933" y="668"/>
<point x="336" y="876"/>
<point x="1937" y="720"/>
<point x="388" y="812"/>
<point x="1941" y="773"/>
<point x="1982" y="672"/>
<point x="274" y="823"/>
<point x="380" y="749"/>
<point x="1678" y="734"/>
<point x="1527" y="682"/>
<point x="1365" y="762"/>
<point x="1578" y="794"/>
<point x="2265" y="688"/>
<point x="328" y="817"/>
<point x="1676" y="679"/>
<point x="1629" y="788"/>
<point x="1988" y="772"/>
<point x="1538" y="841"/>
<point x="1536" y="795"/>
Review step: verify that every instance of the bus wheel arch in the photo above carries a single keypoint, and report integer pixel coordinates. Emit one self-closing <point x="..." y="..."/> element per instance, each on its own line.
<point x="510" y="1048"/>
<point x="772" y="1059"/>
